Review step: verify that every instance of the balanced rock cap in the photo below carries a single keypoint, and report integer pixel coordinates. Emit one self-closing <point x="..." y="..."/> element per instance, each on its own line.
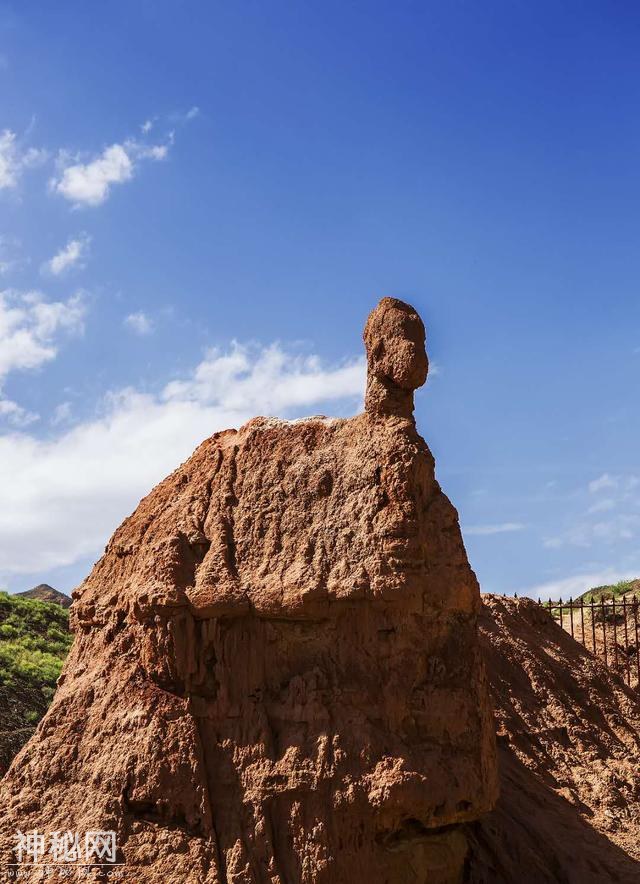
<point x="397" y="364"/>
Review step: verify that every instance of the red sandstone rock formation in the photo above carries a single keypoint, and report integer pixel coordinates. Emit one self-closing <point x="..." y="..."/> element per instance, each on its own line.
<point x="276" y="674"/>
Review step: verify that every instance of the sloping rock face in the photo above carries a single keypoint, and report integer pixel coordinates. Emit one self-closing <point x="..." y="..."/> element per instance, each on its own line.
<point x="276" y="674"/>
<point x="569" y="758"/>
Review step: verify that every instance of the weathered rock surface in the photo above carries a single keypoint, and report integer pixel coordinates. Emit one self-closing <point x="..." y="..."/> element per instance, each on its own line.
<point x="276" y="675"/>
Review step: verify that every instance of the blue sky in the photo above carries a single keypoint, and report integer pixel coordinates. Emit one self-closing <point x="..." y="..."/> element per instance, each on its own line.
<point x="200" y="203"/>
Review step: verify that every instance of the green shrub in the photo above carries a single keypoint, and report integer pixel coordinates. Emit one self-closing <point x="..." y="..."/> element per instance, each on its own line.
<point x="7" y="631"/>
<point x="34" y="641"/>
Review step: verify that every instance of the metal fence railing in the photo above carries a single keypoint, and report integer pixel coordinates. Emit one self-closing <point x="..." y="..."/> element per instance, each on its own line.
<point x="609" y="628"/>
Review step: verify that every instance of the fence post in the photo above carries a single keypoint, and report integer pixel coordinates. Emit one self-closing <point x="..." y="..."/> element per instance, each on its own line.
<point x="603" y="605"/>
<point x="635" y="623"/>
<point x="604" y="630"/>
<point x="626" y="639"/>
<point x="560" y="609"/>
<point x="571" y="614"/>
<point x="615" y="632"/>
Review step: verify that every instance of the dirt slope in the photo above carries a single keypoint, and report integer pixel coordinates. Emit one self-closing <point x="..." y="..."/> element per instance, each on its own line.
<point x="569" y="758"/>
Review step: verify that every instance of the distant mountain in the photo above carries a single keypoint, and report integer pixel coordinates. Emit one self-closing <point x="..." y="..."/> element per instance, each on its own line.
<point x="45" y="593"/>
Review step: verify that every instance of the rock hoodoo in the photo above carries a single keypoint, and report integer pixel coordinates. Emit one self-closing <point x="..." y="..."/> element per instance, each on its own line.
<point x="276" y="674"/>
<point x="397" y="362"/>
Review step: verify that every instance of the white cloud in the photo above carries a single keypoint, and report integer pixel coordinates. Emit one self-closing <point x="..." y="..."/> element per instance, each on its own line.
<point x="71" y="255"/>
<point x="89" y="184"/>
<point x="435" y="369"/>
<point x="15" y="414"/>
<point x="623" y="527"/>
<point x="620" y="528"/>
<point x="183" y="117"/>
<point x="604" y="481"/>
<point x="154" y="151"/>
<point x="606" y="504"/>
<point x="14" y="159"/>
<point x="139" y="323"/>
<point x="29" y="326"/>
<point x="594" y="526"/>
<point x="575" y="585"/>
<point x="29" y="330"/>
<point x="486" y="530"/>
<point x="271" y="379"/>
<point x="146" y="127"/>
<point x="71" y="492"/>
<point x="61" y="414"/>
<point x="9" y="252"/>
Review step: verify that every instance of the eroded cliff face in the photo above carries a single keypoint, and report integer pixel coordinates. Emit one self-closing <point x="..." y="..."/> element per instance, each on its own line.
<point x="276" y="673"/>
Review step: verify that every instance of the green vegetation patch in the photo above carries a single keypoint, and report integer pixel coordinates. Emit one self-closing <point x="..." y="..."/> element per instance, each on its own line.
<point x="34" y="642"/>
<point x="614" y="590"/>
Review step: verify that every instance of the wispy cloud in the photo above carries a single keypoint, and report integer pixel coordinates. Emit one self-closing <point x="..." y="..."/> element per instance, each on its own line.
<point x="15" y="414"/>
<point x="61" y="414"/>
<point x="606" y="504"/>
<point x="72" y="491"/>
<point x="30" y="326"/>
<point x="268" y="378"/>
<point x="89" y="183"/>
<point x="610" y="519"/>
<point x="182" y="117"/>
<point x="486" y="530"/>
<point x="621" y="527"/>
<point x="603" y="482"/>
<point x="71" y="255"/>
<point x="14" y="159"/>
<point x="139" y="323"/>
<point x="9" y="254"/>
